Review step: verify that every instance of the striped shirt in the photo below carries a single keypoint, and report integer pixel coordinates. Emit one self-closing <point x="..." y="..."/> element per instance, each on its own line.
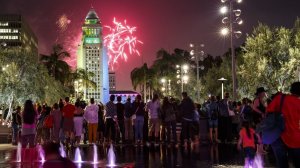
<point x="111" y="110"/>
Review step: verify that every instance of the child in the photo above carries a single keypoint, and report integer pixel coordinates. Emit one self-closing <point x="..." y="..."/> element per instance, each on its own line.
<point x="247" y="140"/>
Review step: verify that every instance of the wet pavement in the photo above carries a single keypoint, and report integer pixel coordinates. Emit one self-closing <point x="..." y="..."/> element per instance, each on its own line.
<point x="201" y="156"/>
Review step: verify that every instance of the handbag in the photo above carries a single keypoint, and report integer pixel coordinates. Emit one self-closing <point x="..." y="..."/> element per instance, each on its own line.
<point x="272" y="126"/>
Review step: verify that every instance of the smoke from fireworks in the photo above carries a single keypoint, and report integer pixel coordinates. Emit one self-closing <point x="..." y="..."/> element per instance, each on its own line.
<point x="121" y="42"/>
<point x="63" y="22"/>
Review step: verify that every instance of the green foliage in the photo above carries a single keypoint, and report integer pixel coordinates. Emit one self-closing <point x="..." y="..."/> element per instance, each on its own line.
<point x="22" y="77"/>
<point x="271" y="57"/>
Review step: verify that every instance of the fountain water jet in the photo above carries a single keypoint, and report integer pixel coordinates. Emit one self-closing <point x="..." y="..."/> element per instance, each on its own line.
<point x="111" y="157"/>
<point x="19" y="149"/>
<point x="62" y="151"/>
<point x="78" y="158"/>
<point x="41" y="154"/>
<point x="95" y="160"/>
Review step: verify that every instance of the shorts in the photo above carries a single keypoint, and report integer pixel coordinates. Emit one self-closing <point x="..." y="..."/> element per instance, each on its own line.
<point x="213" y="123"/>
<point x="154" y="126"/>
<point x="249" y="152"/>
<point x="28" y="139"/>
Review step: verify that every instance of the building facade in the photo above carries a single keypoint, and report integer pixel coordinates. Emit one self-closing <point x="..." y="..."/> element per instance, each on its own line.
<point x="93" y="58"/>
<point x="15" y="32"/>
<point x="112" y="81"/>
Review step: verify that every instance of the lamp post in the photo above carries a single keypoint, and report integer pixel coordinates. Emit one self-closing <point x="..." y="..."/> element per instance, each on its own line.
<point x="197" y="53"/>
<point x="182" y="74"/>
<point x="229" y="20"/>
<point x="222" y="80"/>
<point x="163" y="89"/>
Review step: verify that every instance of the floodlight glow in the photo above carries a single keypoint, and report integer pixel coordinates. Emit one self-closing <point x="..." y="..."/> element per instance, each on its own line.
<point x="223" y="10"/>
<point x="224" y="31"/>
<point x="239" y="1"/>
<point x="185" y="67"/>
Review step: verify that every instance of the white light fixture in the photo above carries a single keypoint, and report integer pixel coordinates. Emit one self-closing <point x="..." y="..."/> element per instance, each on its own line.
<point x="237" y="12"/>
<point x="239" y="1"/>
<point x="238" y="34"/>
<point x="225" y="20"/>
<point x="224" y="31"/>
<point x="185" y="67"/>
<point x="223" y="9"/>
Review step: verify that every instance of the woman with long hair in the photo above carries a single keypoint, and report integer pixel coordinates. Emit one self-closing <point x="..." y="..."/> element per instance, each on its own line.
<point x="28" y="128"/>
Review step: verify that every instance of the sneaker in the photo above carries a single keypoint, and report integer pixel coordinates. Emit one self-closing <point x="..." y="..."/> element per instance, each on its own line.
<point x="156" y="144"/>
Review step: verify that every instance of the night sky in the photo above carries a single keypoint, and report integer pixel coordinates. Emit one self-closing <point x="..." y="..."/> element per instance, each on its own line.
<point x="165" y="24"/>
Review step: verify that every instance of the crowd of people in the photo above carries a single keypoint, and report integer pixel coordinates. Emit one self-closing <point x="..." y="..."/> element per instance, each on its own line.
<point x="162" y="122"/>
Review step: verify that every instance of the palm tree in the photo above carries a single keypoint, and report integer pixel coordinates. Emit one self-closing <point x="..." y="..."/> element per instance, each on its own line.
<point x="55" y="64"/>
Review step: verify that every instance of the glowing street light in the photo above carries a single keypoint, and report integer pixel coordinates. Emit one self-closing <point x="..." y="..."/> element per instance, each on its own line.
<point x="233" y="17"/>
<point x="224" y="31"/>
<point x="223" y="9"/>
<point x="185" y="67"/>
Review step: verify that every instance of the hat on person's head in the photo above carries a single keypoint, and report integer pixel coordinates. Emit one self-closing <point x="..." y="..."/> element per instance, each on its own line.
<point x="260" y="90"/>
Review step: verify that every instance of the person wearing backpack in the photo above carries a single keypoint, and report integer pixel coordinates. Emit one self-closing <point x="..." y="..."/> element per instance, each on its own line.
<point x="224" y="122"/>
<point x="288" y="144"/>
<point x="213" y="115"/>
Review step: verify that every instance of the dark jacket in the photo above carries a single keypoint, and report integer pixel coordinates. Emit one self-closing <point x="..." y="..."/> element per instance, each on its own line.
<point x="138" y="108"/>
<point x="187" y="109"/>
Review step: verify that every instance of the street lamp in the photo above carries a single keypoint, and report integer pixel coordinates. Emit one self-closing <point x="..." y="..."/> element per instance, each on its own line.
<point x="197" y="53"/>
<point x="182" y="74"/>
<point x="233" y="17"/>
<point x="222" y="80"/>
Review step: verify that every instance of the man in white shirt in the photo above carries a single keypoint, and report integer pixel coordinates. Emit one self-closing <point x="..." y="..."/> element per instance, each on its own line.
<point x="91" y="116"/>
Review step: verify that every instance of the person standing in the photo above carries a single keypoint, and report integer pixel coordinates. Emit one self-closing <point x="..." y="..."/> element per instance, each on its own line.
<point x="153" y="109"/>
<point x="259" y="105"/>
<point x="78" y="122"/>
<point x="47" y="125"/>
<point x="213" y="115"/>
<point x="16" y="123"/>
<point x="101" y="124"/>
<point x="187" y="109"/>
<point x="57" y="117"/>
<point x="120" y="115"/>
<point x="288" y="144"/>
<point x="68" y="122"/>
<point x="110" y="117"/>
<point x="224" y="122"/>
<point x="139" y="112"/>
<point x="28" y="132"/>
<point x="91" y="116"/>
<point x="128" y="120"/>
<point x="168" y="111"/>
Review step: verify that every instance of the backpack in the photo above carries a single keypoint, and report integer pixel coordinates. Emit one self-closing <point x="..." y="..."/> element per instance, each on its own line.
<point x="214" y="113"/>
<point x="48" y="122"/>
<point x="223" y="108"/>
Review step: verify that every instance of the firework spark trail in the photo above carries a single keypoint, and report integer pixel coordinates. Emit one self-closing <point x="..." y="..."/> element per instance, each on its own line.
<point x="63" y="22"/>
<point x="121" y="42"/>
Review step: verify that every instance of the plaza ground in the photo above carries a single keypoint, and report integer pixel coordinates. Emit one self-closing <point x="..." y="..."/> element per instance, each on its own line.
<point x="202" y="156"/>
